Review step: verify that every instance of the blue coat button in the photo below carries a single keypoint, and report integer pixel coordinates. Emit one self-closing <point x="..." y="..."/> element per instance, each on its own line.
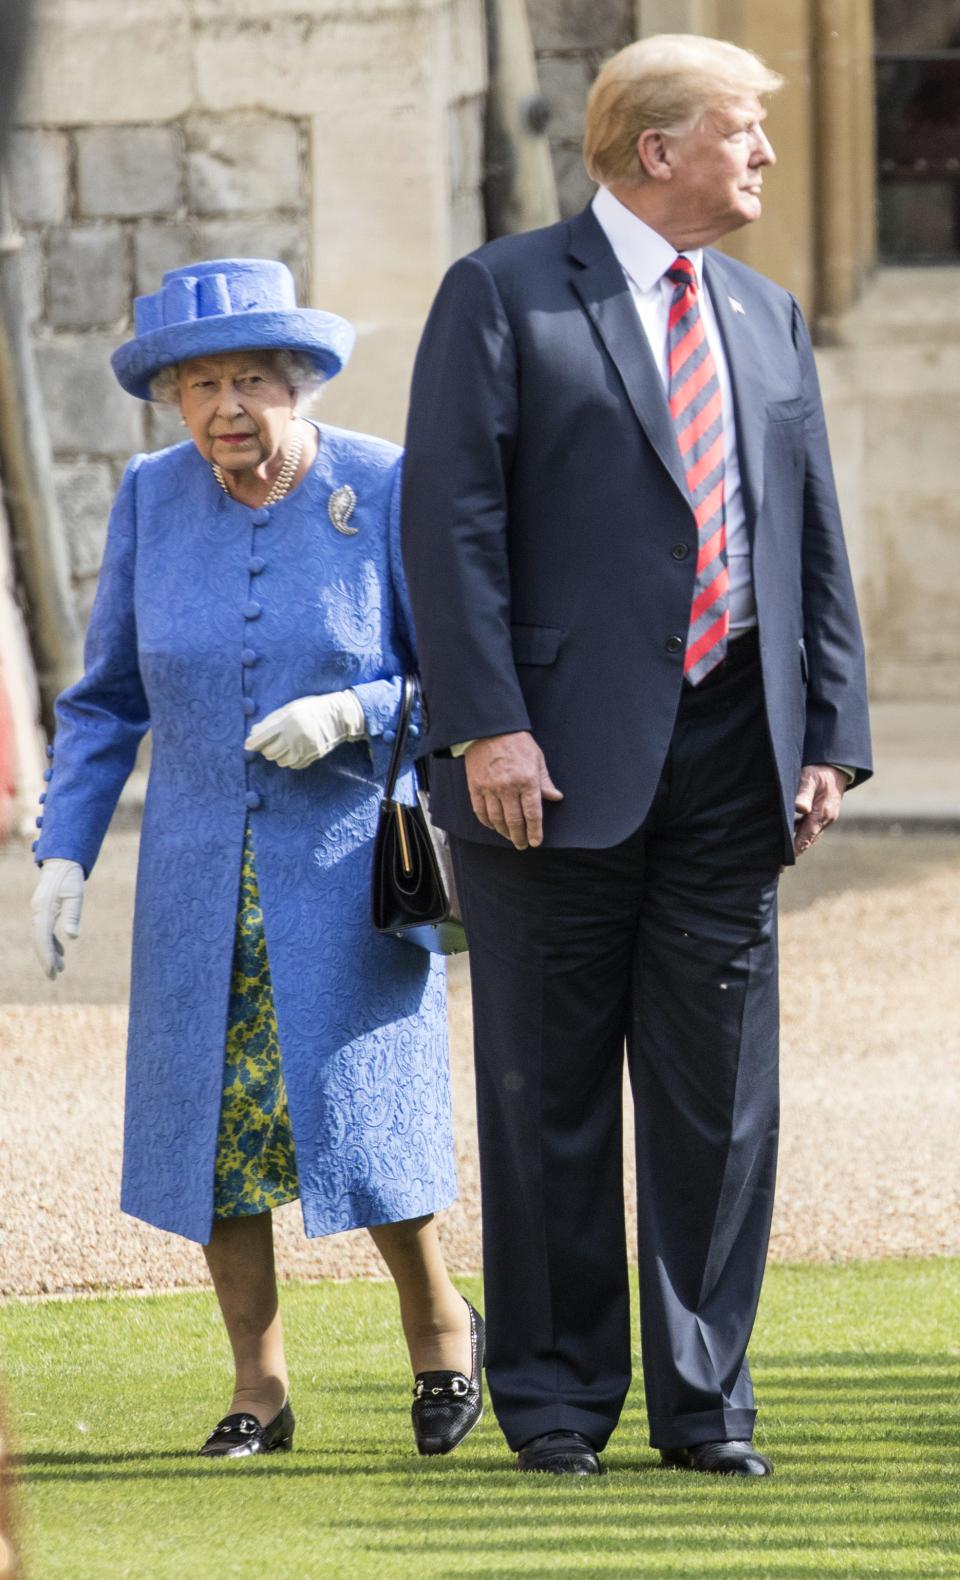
<point x="43" y="797"/>
<point x="39" y="822"/>
<point x="253" y="610"/>
<point x="248" y="657"/>
<point x="260" y="518"/>
<point x="249" y="756"/>
<point x="252" y="800"/>
<point x="389" y="735"/>
<point x="255" y="565"/>
<point x="48" y="774"/>
<point x="249" y="706"/>
<point x="49" y="751"/>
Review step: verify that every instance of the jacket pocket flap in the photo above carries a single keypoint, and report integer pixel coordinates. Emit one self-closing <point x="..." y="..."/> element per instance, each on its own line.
<point x="536" y="644"/>
<point x="785" y="410"/>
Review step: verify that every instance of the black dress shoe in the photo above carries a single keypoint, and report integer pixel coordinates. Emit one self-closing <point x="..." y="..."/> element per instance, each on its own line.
<point x="448" y="1405"/>
<point x="239" y="1436"/>
<point x="561" y="1454"/>
<point x="721" y="1459"/>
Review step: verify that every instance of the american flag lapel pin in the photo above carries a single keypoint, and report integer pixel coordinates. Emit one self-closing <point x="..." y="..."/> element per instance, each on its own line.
<point x="738" y="307"/>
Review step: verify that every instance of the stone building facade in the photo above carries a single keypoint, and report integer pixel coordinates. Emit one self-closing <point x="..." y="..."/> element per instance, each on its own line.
<point x="347" y="137"/>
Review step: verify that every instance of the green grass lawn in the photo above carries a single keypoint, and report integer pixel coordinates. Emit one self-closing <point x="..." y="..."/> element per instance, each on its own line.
<point x="857" y="1371"/>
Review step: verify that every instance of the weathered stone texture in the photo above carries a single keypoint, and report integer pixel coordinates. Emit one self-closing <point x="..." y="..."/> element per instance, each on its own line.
<point x="85" y="492"/>
<point x="565" y="82"/>
<point x="157" y="248"/>
<point x="88" y="412"/>
<point x="31" y="274"/>
<point x="466" y="145"/>
<point x="123" y="172"/>
<point x="102" y="61"/>
<point x="243" y="164"/>
<point x="582" y="24"/>
<point x="38" y="172"/>
<point x="88" y="277"/>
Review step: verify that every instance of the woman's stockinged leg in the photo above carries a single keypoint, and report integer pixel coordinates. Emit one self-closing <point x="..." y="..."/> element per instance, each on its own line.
<point x="435" y="1317"/>
<point x="240" y="1259"/>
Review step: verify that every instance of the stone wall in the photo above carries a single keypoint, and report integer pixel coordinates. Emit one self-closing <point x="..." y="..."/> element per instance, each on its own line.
<point x="342" y="136"/>
<point x="572" y="39"/>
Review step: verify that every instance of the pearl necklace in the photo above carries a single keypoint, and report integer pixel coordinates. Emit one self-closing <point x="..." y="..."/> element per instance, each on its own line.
<point x="284" y="477"/>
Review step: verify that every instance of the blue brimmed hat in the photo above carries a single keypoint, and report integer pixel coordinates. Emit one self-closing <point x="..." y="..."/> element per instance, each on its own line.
<point x="231" y="304"/>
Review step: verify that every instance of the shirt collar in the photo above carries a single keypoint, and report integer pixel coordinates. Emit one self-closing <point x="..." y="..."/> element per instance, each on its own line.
<point x="641" y="252"/>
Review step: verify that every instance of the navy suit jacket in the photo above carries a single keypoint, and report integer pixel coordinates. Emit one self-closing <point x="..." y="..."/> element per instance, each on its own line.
<point x="550" y="544"/>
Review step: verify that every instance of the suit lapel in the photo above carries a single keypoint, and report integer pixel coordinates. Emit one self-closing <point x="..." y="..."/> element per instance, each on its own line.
<point x="745" y="356"/>
<point x="598" y="281"/>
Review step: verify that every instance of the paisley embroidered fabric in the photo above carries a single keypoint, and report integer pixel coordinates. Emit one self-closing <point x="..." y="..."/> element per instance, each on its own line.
<point x="256" y="1166"/>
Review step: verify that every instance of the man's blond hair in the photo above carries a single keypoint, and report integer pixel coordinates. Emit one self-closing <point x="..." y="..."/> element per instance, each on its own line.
<point x="666" y="83"/>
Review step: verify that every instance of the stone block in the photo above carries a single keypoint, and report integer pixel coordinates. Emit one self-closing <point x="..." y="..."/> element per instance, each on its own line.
<point x="85" y="492"/>
<point x="467" y="224"/>
<point x="466" y="145"/>
<point x="123" y="172"/>
<point x="88" y="282"/>
<point x="574" y="187"/>
<point x="243" y="164"/>
<point x="338" y="65"/>
<point x="89" y="414"/>
<point x="38" y="171"/>
<point x="31" y="274"/>
<point x="582" y="24"/>
<point x="251" y="238"/>
<point x="101" y="62"/>
<point x="467" y="49"/>
<point x="565" y="82"/>
<point x="157" y="248"/>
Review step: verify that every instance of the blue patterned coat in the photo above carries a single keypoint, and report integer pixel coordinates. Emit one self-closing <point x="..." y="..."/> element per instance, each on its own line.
<point x="209" y="615"/>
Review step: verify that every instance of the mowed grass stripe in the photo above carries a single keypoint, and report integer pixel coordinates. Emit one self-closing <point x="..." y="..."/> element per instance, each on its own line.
<point x="858" y="1376"/>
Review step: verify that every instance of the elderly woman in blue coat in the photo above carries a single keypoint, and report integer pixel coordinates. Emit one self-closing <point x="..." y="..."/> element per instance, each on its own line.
<point x="251" y="613"/>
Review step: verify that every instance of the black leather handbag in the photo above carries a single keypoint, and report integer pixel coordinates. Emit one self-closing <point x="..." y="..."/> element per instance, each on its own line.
<point x="414" y="896"/>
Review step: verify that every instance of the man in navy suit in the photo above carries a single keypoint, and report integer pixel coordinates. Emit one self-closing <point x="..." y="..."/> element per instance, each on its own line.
<point x="644" y="679"/>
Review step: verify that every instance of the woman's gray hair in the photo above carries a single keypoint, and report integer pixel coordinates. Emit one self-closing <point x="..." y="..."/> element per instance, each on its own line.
<point x="298" y="371"/>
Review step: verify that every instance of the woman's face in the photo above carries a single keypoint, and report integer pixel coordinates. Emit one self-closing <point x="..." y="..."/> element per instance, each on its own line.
<point x="237" y="407"/>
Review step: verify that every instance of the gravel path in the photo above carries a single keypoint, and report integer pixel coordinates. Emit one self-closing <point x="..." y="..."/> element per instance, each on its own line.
<point x="871" y="1080"/>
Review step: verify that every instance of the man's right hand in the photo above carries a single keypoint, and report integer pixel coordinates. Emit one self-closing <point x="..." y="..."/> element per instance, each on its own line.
<point x="59" y="894"/>
<point x="508" y="781"/>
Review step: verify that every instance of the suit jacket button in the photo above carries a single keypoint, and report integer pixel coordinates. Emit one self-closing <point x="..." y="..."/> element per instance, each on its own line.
<point x="260" y="518"/>
<point x="248" y="657"/>
<point x="679" y="551"/>
<point x="252" y="610"/>
<point x="255" y="564"/>
<point x="249" y="706"/>
<point x="252" y="800"/>
<point x="674" y="644"/>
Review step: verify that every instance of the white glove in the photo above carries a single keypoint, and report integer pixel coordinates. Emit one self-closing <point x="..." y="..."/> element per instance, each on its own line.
<point x="59" y="893"/>
<point x="303" y="731"/>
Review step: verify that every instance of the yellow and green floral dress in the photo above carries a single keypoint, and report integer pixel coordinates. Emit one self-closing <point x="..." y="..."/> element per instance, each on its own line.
<point x="256" y="1163"/>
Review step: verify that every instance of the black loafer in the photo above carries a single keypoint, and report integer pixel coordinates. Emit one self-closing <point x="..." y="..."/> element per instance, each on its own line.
<point x="448" y="1405"/>
<point x="239" y="1436"/>
<point x="560" y="1454"/>
<point x="719" y="1459"/>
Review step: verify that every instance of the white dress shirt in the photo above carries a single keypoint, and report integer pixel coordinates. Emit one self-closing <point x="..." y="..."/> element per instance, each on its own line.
<point x="644" y="256"/>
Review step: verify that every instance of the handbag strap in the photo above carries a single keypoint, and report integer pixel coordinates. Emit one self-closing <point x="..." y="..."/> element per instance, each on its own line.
<point x="403" y="726"/>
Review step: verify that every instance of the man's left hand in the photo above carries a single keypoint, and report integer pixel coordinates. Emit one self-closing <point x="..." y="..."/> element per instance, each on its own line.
<point x="817" y="803"/>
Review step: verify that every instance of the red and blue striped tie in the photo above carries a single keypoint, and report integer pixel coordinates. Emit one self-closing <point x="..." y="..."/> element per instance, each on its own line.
<point x="697" y="411"/>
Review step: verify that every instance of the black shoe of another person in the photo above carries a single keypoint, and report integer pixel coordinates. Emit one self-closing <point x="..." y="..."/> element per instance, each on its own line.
<point x="448" y="1405"/>
<point x="560" y="1454"/>
<point x="719" y="1459"/>
<point x="238" y="1436"/>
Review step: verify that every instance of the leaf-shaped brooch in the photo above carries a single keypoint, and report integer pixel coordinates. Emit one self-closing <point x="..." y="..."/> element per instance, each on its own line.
<point x="340" y="506"/>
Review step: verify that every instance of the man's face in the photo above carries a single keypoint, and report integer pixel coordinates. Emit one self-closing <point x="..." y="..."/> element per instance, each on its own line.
<point x="717" y="169"/>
